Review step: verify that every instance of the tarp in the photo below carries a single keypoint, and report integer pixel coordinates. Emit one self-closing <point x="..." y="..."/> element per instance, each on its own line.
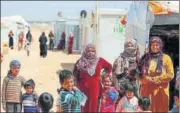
<point x="139" y="21"/>
<point x="164" y="7"/>
<point x="14" y="19"/>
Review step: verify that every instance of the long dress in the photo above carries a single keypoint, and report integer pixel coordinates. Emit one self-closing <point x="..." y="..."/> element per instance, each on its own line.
<point x="158" y="92"/>
<point x="90" y="85"/>
<point x="11" y="41"/>
<point x="70" y="45"/>
<point x="43" y="46"/>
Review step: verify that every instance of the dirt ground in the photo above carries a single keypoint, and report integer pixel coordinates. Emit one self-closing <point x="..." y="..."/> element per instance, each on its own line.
<point x="42" y="70"/>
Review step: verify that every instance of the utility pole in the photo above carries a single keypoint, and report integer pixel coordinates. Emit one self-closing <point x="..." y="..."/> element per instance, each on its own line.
<point x="97" y="24"/>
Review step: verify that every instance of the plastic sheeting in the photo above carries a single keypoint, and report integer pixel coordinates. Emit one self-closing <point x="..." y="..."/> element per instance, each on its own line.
<point x="139" y="21"/>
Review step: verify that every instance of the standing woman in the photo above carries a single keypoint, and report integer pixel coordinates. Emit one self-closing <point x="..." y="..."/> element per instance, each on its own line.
<point x="156" y="71"/>
<point x="51" y="40"/>
<point x="124" y="65"/>
<point x="11" y="40"/>
<point x="70" y="43"/>
<point x="43" y="46"/>
<point x="87" y="73"/>
<point x="63" y="41"/>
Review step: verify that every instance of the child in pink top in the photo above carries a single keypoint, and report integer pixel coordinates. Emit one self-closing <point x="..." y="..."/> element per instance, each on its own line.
<point x="109" y="95"/>
<point x="129" y="102"/>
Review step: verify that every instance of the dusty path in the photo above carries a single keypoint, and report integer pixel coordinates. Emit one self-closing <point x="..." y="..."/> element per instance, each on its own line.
<point x="42" y="70"/>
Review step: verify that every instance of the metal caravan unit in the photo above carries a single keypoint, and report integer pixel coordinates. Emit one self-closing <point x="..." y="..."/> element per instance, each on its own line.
<point x="111" y="33"/>
<point x="72" y="25"/>
<point x="67" y="25"/>
<point x="59" y="27"/>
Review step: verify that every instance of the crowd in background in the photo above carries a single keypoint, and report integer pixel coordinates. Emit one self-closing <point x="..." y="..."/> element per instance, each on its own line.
<point x="133" y="83"/>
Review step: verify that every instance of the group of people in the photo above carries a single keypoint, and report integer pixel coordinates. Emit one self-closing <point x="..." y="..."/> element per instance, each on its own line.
<point x="62" y="42"/>
<point x="132" y="84"/>
<point x="28" y="40"/>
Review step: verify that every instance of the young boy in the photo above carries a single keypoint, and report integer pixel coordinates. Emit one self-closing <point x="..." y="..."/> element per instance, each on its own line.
<point x="11" y="89"/>
<point x="28" y="47"/>
<point x="70" y="98"/>
<point x="108" y="95"/>
<point x="45" y="102"/>
<point x="176" y="107"/>
<point x="30" y="98"/>
<point x="143" y="104"/>
<point x="129" y="102"/>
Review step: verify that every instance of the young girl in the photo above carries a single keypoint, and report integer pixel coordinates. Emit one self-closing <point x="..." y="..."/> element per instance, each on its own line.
<point x="70" y="98"/>
<point x="11" y="89"/>
<point x="45" y="102"/>
<point x="30" y="98"/>
<point x="143" y="104"/>
<point x="109" y="95"/>
<point x="129" y="102"/>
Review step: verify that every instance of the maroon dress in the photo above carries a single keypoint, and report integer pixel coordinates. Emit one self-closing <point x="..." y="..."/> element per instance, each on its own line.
<point x="90" y="85"/>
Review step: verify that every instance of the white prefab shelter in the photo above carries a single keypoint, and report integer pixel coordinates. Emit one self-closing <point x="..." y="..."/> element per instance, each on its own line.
<point x="111" y="33"/>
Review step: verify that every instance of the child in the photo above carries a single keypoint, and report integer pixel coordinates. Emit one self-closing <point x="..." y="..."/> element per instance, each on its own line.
<point x="109" y="95"/>
<point x="129" y="102"/>
<point x="176" y="107"/>
<point x="11" y="89"/>
<point x="45" y="102"/>
<point x="143" y="104"/>
<point x="27" y="47"/>
<point x="70" y="98"/>
<point x="30" y="99"/>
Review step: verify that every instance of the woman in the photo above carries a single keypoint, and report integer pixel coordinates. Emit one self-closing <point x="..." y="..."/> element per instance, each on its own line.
<point x="11" y="40"/>
<point x="63" y="41"/>
<point x="156" y="71"/>
<point x="70" y="43"/>
<point x="43" y="46"/>
<point x="124" y="66"/>
<point x="51" y="40"/>
<point x="20" y="41"/>
<point x="87" y="75"/>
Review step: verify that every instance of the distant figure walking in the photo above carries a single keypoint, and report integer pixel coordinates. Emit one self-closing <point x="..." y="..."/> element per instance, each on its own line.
<point x="43" y="46"/>
<point x="11" y="40"/>
<point x="51" y="40"/>
<point x="63" y="41"/>
<point x="28" y="38"/>
<point x="20" y="41"/>
<point x="70" y="43"/>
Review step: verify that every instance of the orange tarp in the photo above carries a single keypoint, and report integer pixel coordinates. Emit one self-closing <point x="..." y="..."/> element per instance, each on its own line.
<point x="157" y="8"/>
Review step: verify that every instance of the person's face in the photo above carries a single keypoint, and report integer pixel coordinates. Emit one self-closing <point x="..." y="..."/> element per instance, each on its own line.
<point x="155" y="47"/>
<point x="15" y="70"/>
<point x="91" y="52"/>
<point x="68" y="84"/>
<point x="177" y="100"/>
<point x="107" y="83"/>
<point x="29" y="89"/>
<point x="129" y="94"/>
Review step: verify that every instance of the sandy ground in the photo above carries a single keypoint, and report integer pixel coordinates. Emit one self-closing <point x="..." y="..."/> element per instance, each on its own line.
<point x="42" y="70"/>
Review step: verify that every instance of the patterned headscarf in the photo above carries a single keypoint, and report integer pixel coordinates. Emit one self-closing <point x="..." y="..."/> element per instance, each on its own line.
<point x="87" y="63"/>
<point x="144" y="63"/>
<point x="130" y="48"/>
<point x="130" y="53"/>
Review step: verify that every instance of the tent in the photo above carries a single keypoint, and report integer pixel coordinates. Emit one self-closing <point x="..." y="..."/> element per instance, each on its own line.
<point x="16" y="24"/>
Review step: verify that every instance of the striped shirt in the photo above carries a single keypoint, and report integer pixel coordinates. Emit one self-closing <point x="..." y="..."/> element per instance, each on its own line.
<point x="30" y="103"/>
<point x="71" y="101"/>
<point x="11" y="89"/>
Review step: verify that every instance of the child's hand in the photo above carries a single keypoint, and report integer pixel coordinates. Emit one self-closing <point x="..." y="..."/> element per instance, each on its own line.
<point x="75" y="88"/>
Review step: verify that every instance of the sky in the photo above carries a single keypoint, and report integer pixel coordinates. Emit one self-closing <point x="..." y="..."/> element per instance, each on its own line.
<point x="48" y="10"/>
